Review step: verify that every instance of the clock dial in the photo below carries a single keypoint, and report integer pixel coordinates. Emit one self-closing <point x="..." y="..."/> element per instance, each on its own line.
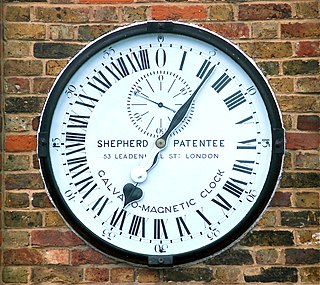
<point x="124" y="192"/>
<point x="154" y="99"/>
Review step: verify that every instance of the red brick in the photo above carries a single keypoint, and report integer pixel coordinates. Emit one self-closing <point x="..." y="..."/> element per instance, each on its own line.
<point x="311" y="48"/>
<point x="22" y="256"/>
<point x="161" y="12"/>
<point x="306" y="30"/>
<point x="55" y="238"/>
<point x="88" y="256"/>
<point x="264" y="11"/>
<point x="20" y="143"/>
<point x="97" y="274"/>
<point x="230" y="30"/>
<point x="302" y="140"/>
<point x="17" y="85"/>
<point x="308" y="122"/>
<point x="281" y="199"/>
<point x="56" y="256"/>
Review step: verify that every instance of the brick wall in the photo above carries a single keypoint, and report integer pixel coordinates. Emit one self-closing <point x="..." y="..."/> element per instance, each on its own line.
<point x="40" y="36"/>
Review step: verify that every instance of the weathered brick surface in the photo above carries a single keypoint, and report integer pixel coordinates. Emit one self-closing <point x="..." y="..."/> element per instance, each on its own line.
<point x="37" y="40"/>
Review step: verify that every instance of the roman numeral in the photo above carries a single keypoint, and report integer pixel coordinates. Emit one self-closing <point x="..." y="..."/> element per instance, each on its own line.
<point x="203" y="69"/>
<point x="203" y="217"/>
<point x="86" y="101"/>
<point x="223" y="203"/>
<point x="75" y="141"/>
<point x="77" y="121"/>
<point x="222" y="82"/>
<point x="77" y="160"/>
<point x="75" y="137"/>
<point x="99" y="205"/>
<point x="233" y="188"/>
<point x="159" y="229"/>
<point x="245" y="120"/>
<point x="137" y="226"/>
<point x="118" y="217"/>
<point x="142" y="60"/>
<point x="183" y="60"/>
<point x="87" y="186"/>
<point x="104" y="83"/>
<point x="248" y="144"/>
<point x="182" y="227"/>
<point x="77" y="163"/>
<point x="235" y="100"/>
<point x="243" y="168"/>
<point x="120" y="68"/>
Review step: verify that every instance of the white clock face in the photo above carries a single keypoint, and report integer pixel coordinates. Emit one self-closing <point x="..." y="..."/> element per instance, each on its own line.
<point x="201" y="186"/>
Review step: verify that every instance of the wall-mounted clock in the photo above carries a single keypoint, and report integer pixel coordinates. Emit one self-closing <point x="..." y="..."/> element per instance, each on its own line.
<point x="161" y="143"/>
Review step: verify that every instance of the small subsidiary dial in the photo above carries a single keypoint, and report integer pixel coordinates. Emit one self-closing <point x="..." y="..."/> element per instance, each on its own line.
<point x="154" y="99"/>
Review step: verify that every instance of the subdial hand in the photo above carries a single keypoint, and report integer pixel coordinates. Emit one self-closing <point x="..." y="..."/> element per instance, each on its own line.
<point x="145" y="97"/>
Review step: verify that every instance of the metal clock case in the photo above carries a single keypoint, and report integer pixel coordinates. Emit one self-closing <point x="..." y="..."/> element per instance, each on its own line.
<point x="161" y="144"/>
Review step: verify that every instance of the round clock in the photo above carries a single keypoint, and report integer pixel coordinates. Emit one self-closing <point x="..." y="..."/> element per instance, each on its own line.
<point x="161" y="143"/>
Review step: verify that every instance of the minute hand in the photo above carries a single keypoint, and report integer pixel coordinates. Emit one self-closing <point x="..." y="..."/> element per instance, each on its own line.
<point x="180" y="114"/>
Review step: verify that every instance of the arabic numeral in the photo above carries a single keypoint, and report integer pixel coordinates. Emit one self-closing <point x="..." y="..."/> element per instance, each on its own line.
<point x="137" y="116"/>
<point x="107" y="53"/>
<point x="69" y="195"/>
<point x="213" y="52"/>
<point x="265" y="142"/>
<point x="108" y="234"/>
<point x="160" y="130"/>
<point x="251" y="196"/>
<point x="70" y="91"/>
<point x="161" y="248"/>
<point x="251" y="90"/>
<point x="56" y="143"/>
<point x="160" y="38"/>
<point x="213" y="234"/>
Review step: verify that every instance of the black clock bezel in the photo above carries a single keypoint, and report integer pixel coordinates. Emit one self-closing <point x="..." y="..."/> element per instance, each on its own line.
<point x="249" y="67"/>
